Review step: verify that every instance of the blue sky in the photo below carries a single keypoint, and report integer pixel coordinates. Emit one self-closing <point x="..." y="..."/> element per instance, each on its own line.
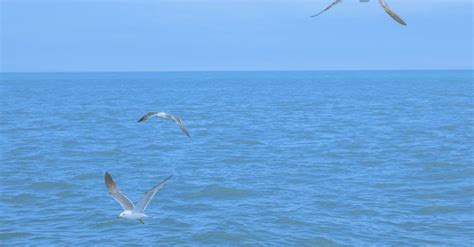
<point x="189" y="35"/>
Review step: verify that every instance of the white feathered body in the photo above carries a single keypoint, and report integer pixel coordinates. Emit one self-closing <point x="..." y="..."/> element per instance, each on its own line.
<point x="132" y="215"/>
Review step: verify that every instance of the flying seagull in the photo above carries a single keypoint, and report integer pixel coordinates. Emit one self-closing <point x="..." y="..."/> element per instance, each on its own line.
<point x="131" y="211"/>
<point x="166" y="116"/>
<point x="382" y="3"/>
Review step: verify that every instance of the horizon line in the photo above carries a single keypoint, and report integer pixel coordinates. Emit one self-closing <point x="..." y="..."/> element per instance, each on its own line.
<point x="197" y="71"/>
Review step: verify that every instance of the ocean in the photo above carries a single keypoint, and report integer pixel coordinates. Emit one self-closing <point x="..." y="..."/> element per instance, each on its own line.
<point x="317" y="158"/>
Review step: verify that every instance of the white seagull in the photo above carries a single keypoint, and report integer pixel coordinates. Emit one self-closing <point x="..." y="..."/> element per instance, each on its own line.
<point x="166" y="116"/>
<point x="131" y="211"/>
<point x="382" y="3"/>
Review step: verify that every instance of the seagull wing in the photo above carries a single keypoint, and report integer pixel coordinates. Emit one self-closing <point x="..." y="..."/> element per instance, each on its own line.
<point x="180" y="124"/>
<point x="141" y="206"/>
<point x="328" y="7"/>
<point x="116" y="194"/>
<point x="147" y="116"/>
<point x="391" y="13"/>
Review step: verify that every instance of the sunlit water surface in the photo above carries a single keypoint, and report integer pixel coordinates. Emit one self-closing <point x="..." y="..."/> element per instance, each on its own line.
<point x="275" y="158"/>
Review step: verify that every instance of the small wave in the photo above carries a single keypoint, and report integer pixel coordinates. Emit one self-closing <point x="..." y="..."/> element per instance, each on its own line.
<point x="107" y="224"/>
<point x="328" y="204"/>
<point x="86" y="176"/>
<point x="436" y="210"/>
<point x="68" y="193"/>
<point x="173" y="222"/>
<point x="50" y="185"/>
<point x="289" y="221"/>
<point x="192" y="207"/>
<point x="19" y="199"/>
<point x="218" y="237"/>
<point x="233" y="161"/>
<point x="250" y="142"/>
<point x="13" y="235"/>
<point x="319" y="242"/>
<point x="362" y="212"/>
<point x="220" y="192"/>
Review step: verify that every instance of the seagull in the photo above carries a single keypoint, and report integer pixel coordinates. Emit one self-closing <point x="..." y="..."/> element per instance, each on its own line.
<point x="131" y="211"/>
<point x="382" y="3"/>
<point x="166" y="116"/>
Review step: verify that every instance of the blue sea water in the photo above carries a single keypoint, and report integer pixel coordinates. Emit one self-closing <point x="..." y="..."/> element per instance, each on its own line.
<point x="275" y="159"/>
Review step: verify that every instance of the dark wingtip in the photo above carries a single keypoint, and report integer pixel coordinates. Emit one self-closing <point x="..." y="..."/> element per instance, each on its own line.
<point x="402" y="23"/>
<point x="109" y="182"/>
<point x="167" y="178"/>
<point x="107" y="178"/>
<point x="400" y="20"/>
<point x="140" y="120"/>
<point x="163" y="181"/>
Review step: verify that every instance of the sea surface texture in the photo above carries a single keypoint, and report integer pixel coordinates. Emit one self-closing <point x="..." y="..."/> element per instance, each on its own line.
<point x="274" y="159"/>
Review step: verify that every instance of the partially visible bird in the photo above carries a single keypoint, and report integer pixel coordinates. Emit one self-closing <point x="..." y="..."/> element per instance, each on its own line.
<point x="129" y="210"/>
<point x="166" y="116"/>
<point x="327" y="8"/>
<point x="382" y="3"/>
<point x="391" y="13"/>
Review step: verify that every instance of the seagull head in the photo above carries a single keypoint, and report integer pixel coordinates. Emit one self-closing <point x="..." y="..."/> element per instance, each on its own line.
<point x="121" y="215"/>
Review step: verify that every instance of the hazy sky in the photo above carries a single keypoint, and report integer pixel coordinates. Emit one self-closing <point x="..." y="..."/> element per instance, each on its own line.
<point x="170" y="35"/>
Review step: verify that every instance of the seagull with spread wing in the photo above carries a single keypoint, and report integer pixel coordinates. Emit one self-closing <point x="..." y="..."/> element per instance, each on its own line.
<point x="131" y="211"/>
<point x="382" y="3"/>
<point x="168" y="117"/>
